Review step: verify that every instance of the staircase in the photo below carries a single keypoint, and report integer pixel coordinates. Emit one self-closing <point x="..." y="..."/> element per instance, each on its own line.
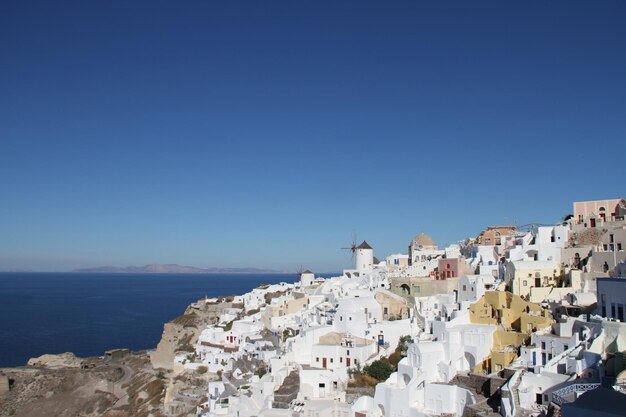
<point x="514" y="392"/>
<point x="288" y="391"/>
<point x="421" y="323"/>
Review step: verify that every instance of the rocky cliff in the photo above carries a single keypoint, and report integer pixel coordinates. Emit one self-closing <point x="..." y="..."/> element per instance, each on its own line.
<point x="137" y="384"/>
<point x="180" y="334"/>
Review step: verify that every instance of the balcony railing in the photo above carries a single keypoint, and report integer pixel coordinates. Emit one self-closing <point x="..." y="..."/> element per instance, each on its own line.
<point x="562" y="396"/>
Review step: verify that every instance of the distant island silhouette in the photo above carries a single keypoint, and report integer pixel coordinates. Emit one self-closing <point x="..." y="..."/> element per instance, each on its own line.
<point x="176" y="269"/>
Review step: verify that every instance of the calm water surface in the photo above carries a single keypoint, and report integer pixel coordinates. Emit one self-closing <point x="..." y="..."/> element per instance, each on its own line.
<point x="90" y="313"/>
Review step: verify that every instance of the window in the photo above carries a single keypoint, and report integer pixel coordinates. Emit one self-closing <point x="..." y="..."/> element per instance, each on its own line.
<point x="350" y="318"/>
<point x="341" y="359"/>
<point x="347" y="353"/>
<point x="464" y="288"/>
<point x="317" y="359"/>
<point x="619" y="247"/>
<point x="525" y="283"/>
<point x="543" y="345"/>
<point x="331" y="360"/>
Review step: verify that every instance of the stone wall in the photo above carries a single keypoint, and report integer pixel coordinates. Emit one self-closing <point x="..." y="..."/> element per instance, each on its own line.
<point x="422" y="286"/>
<point x="485" y="385"/>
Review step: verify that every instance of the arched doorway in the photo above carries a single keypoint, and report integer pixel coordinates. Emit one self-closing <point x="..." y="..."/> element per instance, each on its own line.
<point x="406" y="379"/>
<point x="406" y="290"/>
<point x="471" y="360"/>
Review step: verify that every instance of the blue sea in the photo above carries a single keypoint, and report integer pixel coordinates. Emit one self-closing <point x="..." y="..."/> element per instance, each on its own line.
<point x="90" y="313"/>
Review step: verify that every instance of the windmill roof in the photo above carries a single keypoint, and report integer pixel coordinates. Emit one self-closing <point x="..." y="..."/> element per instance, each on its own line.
<point x="364" y="245"/>
<point x="307" y="272"/>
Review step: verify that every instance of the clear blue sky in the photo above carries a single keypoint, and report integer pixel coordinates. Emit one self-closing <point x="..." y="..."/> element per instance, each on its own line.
<point x="261" y="133"/>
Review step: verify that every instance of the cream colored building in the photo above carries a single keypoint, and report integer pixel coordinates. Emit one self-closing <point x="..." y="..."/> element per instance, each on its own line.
<point x="397" y="260"/>
<point x="284" y="306"/>
<point x="394" y="307"/>
<point x="521" y="276"/>
<point x="341" y="350"/>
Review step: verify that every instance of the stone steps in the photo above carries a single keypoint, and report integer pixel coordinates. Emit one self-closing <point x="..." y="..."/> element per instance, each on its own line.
<point x="288" y="391"/>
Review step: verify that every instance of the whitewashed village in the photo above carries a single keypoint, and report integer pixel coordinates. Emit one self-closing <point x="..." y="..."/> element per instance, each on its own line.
<point x="517" y="321"/>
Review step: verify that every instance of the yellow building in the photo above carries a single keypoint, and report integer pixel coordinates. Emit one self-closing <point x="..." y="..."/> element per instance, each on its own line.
<point x="516" y="320"/>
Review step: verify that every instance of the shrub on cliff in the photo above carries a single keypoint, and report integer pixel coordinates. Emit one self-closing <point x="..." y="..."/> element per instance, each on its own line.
<point x="403" y="344"/>
<point x="379" y="369"/>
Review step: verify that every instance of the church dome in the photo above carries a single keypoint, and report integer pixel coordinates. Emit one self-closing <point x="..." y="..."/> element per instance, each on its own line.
<point x="424" y="241"/>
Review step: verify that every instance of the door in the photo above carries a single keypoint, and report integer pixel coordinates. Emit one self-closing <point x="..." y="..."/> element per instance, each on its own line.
<point x="324" y="362"/>
<point x="592" y="222"/>
<point x="347" y="362"/>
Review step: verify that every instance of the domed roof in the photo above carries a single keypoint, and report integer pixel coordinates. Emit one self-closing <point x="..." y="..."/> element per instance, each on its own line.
<point x="423" y="240"/>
